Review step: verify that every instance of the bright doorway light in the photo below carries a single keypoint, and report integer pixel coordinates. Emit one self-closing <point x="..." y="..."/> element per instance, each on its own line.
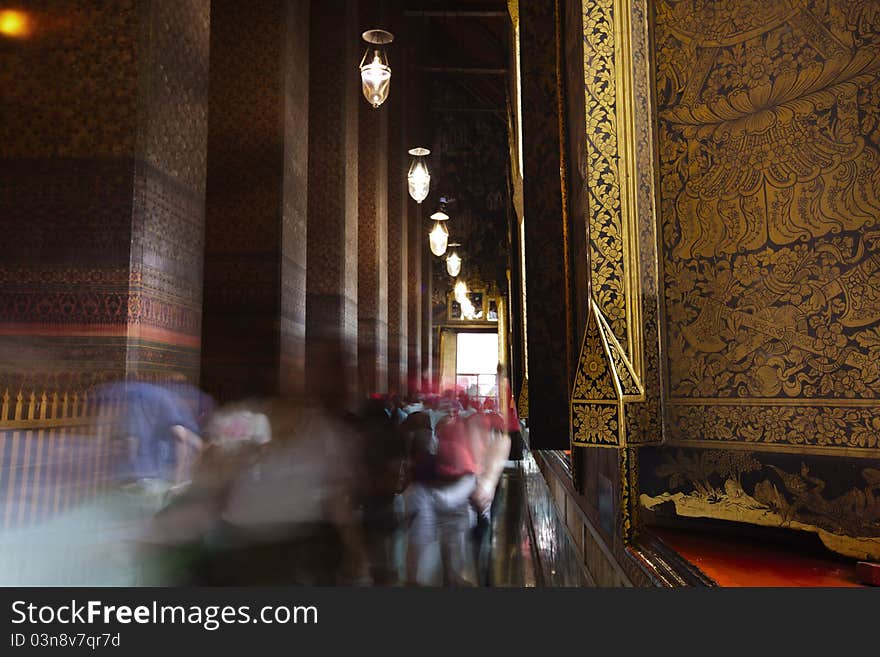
<point x="477" y="364"/>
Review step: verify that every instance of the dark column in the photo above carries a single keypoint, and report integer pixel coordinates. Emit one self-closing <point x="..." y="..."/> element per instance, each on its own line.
<point x="427" y="311"/>
<point x="414" y="283"/>
<point x="516" y="369"/>
<point x="102" y="163"/>
<point x="546" y="254"/>
<point x="256" y="207"/>
<point x="334" y="97"/>
<point x="372" y="259"/>
<point x="294" y="219"/>
<point x="398" y="243"/>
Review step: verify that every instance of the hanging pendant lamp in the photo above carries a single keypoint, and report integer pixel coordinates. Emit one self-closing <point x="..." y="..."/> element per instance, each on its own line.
<point x="375" y="68"/>
<point x="439" y="236"/>
<point x="453" y="261"/>
<point x="419" y="178"/>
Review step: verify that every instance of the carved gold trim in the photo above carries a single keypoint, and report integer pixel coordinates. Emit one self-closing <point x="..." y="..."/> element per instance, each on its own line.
<point x="626" y="151"/>
<point x="604" y="381"/>
<point x="611" y="169"/>
<point x="779" y="448"/>
<point x="610" y="370"/>
<point x="772" y="401"/>
<point x="522" y="403"/>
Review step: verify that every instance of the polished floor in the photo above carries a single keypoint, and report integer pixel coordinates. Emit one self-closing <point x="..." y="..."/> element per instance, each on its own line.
<point x="743" y="562"/>
<point x="530" y="544"/>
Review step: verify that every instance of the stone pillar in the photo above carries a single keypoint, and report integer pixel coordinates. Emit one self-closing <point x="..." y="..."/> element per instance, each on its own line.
<point x="334" y="98"/>
<point x="547" y="310"/>
<point x="398" y="250"/>
<point x="256" y="200"/>
<point x="102" y="188"/>
<point x="372" y="258"/>
<point x="294" y="219"/>
<point x="428" y="259"/>
<point x="414" y="283"/>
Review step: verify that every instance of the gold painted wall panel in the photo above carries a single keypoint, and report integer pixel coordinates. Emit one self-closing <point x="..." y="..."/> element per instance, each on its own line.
<point x="769" y="156"/>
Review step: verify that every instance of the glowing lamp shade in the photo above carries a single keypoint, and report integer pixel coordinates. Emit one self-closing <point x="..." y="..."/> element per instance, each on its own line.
<point x="14" y="24"/>
<point x="453" y="261"/>
<point x="375" y="69"/>
<point x="438" y="238"/>
<point x="453" y="264"/>
<point x="419" y="178"/>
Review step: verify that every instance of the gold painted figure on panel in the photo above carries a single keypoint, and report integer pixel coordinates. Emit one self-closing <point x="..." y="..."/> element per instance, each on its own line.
<point x="769" y="138"/>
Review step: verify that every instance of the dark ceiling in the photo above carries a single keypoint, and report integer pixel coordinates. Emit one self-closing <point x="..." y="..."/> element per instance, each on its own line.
<point x="463" y="53"/>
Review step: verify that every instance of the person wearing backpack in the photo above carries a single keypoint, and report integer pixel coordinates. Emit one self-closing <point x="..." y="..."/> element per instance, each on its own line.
<point x="440" y="511"/>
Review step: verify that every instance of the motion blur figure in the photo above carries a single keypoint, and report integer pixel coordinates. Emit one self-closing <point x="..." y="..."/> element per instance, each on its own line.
<point x="188" y="535"/>
<point x="280" y="508"/>
<point x="384" y="474"/>
<point x="439" y="513"/>
<point x="491" y="450"/>
<point x="161" y="432"/>
<point x="109" y="480"/>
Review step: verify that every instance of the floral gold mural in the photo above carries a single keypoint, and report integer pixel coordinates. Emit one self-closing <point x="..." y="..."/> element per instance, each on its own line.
<point x="769" y="156"/>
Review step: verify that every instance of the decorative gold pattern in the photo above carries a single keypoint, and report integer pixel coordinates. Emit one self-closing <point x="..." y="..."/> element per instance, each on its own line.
<point x="522" y="403"/>
<point x="612" y="358"/>
<point x="630" y="386"/>
<point x="593" y="380"/>
<point x="603" y="382"/>
<point x="603" y="178"/>
<point x="769" y="145"/>
<point x="747" y="487"/>
<point x="625" y="516"/>
<point x="806" y="427"/>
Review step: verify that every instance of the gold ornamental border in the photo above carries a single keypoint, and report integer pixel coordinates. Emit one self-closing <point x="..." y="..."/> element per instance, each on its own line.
<point x="609" y="89"/>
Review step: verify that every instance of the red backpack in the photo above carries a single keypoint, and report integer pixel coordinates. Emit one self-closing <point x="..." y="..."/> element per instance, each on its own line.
<point x="455" y="456"/>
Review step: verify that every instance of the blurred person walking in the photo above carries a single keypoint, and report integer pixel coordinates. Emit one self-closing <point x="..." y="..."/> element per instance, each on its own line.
<point x="439" y="511"/>
<point x="384" y="457"/>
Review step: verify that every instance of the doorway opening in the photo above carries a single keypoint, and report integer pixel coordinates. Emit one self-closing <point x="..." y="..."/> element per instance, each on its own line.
<point x="476" y="365"/>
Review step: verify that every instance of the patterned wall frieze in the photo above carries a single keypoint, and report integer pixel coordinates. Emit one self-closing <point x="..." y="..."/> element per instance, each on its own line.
<point x="76" y="305"/>
<point x="70" y="363"/>
<point x="849" y="428"/>
<point x="769" y="175"/>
